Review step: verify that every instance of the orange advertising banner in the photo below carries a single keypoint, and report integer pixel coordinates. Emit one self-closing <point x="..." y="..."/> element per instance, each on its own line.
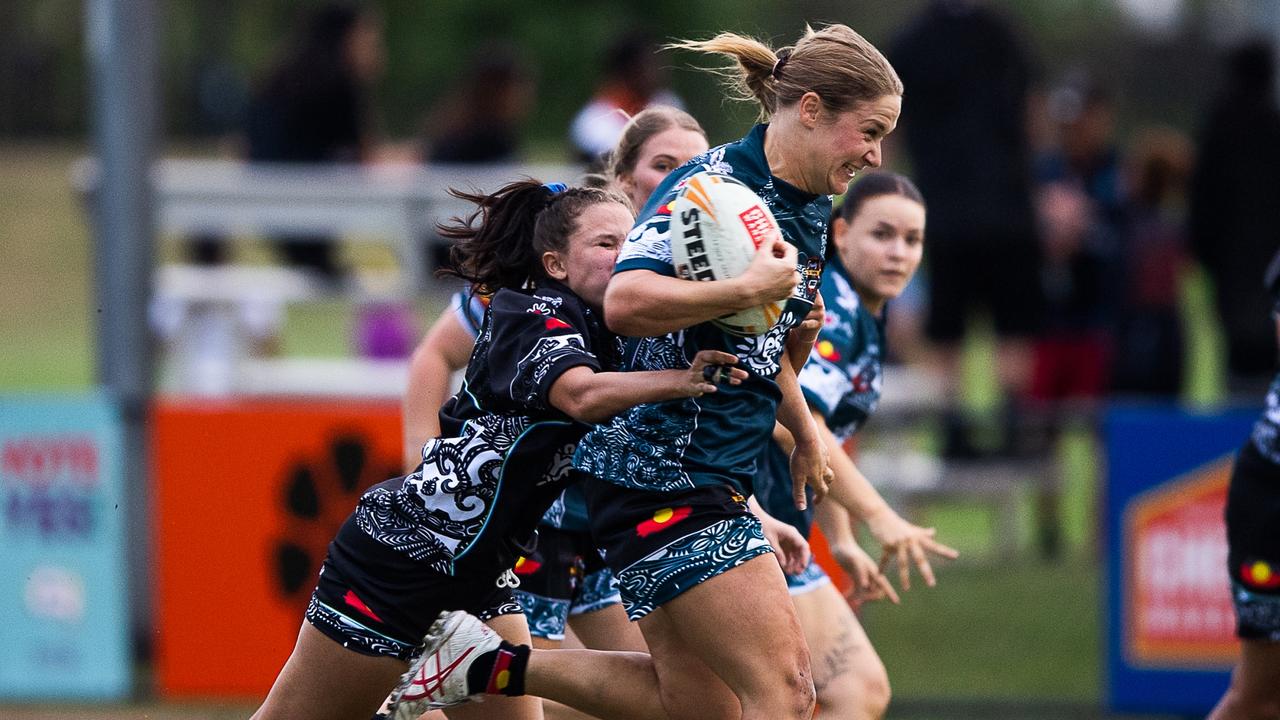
<point x="247" y="496"/>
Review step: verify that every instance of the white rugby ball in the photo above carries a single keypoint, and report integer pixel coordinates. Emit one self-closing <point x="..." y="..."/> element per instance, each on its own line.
<point x="717" y="224"/>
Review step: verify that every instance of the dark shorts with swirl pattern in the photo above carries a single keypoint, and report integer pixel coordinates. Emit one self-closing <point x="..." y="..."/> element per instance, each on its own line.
<point x="660" y="544"/>
<point x="375" y="601"/>
<point x="564" y="577"/>
<point x="1253" y="514"/>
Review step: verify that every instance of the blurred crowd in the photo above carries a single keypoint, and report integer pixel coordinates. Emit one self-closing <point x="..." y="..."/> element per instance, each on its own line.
<point x="1074" y="241"/>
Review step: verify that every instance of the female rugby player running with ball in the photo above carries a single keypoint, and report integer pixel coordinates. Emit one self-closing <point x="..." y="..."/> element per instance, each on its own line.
<point x="878" y="239"/>
<point x="666" y="500"/>
<point x="447" y="535"/>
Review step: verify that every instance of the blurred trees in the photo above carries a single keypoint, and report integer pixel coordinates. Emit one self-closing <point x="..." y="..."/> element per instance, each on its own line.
<point x="213" y="49"/>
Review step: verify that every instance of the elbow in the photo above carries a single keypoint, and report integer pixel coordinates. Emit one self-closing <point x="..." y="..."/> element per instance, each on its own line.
<point x="588" y="407"/>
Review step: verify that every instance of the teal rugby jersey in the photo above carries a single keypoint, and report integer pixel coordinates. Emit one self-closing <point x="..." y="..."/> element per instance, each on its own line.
<point x="841" y="380"/>
<point x="716" y="438"/>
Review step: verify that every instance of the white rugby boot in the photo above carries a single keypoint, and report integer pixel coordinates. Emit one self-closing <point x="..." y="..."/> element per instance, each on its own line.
<point x="438" y="678"/>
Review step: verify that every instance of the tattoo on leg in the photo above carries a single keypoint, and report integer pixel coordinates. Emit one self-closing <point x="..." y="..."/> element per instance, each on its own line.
<point x="838" y="659"/>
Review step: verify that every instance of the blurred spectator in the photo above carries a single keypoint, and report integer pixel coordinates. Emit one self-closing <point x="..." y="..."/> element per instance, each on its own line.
<point x="1083" y="152"/>
<point x="1080" y="209"/>
<point x="312" y="107"/>
<point x="1072" y="356"/>
<point x="967" y="78"/>
<point x="1235" y="210"/>
<point x="1150" y="350"/>
<point x="480" y="121"/>
<point x="632" y="81"/>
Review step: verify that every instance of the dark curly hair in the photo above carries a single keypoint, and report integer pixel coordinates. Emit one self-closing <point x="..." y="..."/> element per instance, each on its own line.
<point x="500" y="244"/>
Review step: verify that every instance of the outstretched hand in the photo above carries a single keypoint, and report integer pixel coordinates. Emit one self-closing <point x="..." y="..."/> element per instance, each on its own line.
<point x="908" y="545"/>
<point x="869" y="583"/>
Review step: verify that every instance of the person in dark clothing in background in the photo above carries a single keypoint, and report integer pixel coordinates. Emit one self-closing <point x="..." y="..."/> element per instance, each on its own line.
<point x="481" y="121"/>
<point x="968" y="79"/>
<point x="1235" y="210"/>
<point x="1149" y="354"/>
<point x="312" y="107"/>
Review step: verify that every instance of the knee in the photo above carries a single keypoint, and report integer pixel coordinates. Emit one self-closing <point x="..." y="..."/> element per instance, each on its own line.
<point x="876" y="693"/>
<point x="797" y="684"/>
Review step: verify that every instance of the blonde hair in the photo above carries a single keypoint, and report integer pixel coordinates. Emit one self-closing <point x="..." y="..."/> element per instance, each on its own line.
<point x="644" y="125"/>
<point x="835" y="62"/>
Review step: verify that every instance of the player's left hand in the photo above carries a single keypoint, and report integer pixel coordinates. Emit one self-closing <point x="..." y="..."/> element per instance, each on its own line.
<point x="809" y="467"/>
<point x="907" y="544"/>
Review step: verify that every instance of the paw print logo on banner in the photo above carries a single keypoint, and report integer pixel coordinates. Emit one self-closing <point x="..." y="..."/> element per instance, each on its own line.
<point x="317" y="495"/>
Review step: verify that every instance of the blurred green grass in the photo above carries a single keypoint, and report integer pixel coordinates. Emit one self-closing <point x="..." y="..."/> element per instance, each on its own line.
<point x="991" y="630"/>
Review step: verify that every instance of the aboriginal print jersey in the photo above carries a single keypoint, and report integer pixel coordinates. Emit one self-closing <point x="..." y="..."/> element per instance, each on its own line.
<point x="1266" y="432"/>
<point x="569" y="511"/>
<point x="841" y="380"/>
<point x="716" y="438"/>
<point x="505" y="452"/>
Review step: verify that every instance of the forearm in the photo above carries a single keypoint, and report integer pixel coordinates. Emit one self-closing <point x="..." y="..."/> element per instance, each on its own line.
<point x="594" y="397"/>
<point x="641" y="303"/>
<point x="793" y="411"/>
<point x="850" y="488"/>
<point x="834" y="522"/>
<point x="799" y="344"/>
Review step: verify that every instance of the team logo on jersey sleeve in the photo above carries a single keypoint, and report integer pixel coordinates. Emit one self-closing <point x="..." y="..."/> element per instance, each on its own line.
<point x="555" y="323"/>
<point x="662" y="519"/>
<point x="1260" y="575"/>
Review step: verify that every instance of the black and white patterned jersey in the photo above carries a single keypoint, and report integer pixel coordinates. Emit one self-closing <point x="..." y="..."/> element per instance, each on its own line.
<point x="505" y="452"/>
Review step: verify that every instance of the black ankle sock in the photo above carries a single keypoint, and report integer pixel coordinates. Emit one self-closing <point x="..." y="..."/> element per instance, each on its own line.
<point x="499" y="671"/>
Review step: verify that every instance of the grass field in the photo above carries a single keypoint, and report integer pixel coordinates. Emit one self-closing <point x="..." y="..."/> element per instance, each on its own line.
<point x="995" y="639"/>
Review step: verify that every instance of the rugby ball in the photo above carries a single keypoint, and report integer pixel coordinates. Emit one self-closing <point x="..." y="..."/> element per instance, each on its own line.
<point x="717" y="224"/>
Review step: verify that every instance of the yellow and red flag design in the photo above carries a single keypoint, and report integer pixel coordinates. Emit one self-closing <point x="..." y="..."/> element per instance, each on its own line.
<point x="662" y="519"/>
<point x="1260" y="575"/>
<point x="527" y="566"/>
<point x="828" y="351"/>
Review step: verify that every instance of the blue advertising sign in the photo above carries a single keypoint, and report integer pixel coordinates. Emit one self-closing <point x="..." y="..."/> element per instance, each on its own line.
<point x="64" y="626"/>
<point x="1170" y="627"/>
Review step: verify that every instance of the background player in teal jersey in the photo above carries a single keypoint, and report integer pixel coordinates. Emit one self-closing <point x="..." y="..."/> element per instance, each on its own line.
<point x="878" y="238"/>
<point x="1253" y="558"/>
<point x="667" y="500"/>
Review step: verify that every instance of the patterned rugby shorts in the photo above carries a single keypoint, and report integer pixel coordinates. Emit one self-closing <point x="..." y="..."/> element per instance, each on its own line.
<point x="660" y="544"/>
<point x="564" y="577"/>
<point x="1253" y="516"/>
<point x="376" y="601"/>
<point x="809" y="579"/>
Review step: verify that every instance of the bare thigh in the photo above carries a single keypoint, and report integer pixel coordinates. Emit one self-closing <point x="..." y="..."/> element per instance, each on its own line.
<point x="848" y="675"/>
<point x="608" y="629"/>
<point x="690" y="690"/>
<point x="514" y="629"/>
<point x="324" y="681"/>
<point x="743" y="626"/>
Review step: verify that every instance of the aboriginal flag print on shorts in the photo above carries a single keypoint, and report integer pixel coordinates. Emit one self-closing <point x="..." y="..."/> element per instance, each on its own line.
<point x="663" y="519"/>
